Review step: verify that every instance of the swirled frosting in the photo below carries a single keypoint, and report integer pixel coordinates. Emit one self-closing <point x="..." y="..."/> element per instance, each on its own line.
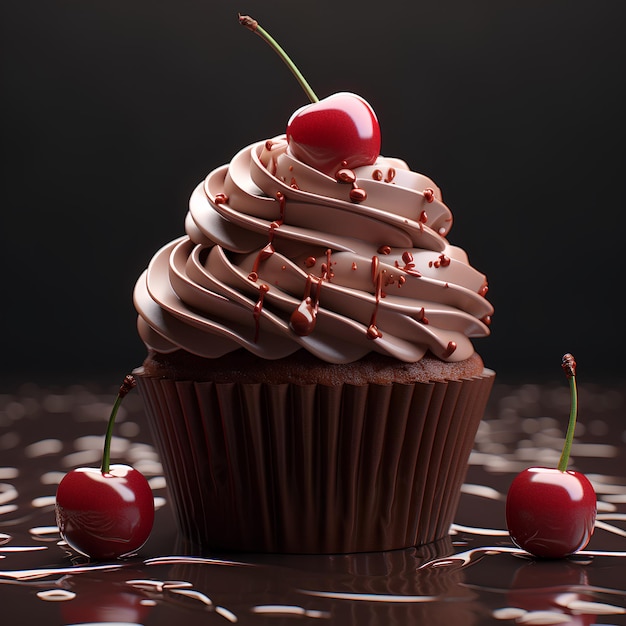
<point x="278" y="256"/>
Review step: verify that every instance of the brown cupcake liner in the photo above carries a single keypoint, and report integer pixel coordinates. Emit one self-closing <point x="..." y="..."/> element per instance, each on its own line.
<point x="313" y="468"/>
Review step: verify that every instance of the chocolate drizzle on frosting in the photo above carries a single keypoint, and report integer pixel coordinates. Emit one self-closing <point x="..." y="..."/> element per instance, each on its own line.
<point x="377" y="278"/>
<point x="258" y="309"/>
<point x="409" y="264"/>
<point x="347" y="176"/>
<point x="303" y="319"/>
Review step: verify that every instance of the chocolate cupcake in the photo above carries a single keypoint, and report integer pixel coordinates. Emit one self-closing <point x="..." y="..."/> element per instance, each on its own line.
<point x="311" y="379"/>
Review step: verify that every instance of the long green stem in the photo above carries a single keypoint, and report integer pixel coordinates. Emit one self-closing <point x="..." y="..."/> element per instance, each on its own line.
<point x="569" y="365"/>
<point x="126" y="386"/>
<point x="253" y="25"/>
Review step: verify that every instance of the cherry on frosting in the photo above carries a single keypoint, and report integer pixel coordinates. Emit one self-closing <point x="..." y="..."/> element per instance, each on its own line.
<point x="338" y="132"/>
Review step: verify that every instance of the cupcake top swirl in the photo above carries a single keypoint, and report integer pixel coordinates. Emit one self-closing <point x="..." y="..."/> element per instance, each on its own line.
<point x="279" y="256"/>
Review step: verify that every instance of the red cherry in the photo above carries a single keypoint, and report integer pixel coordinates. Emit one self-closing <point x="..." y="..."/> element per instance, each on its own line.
<point x="551" y="513"/>
<point x="105" y="515"/>
<point x="340" y="131"/>
<point x="107" y="512"/>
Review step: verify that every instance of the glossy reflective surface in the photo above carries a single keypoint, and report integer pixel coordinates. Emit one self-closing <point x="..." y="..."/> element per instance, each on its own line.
<point x="476" y="576"/>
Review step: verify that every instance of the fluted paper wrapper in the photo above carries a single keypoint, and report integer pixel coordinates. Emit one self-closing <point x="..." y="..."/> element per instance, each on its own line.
<point x="314" y="468"/>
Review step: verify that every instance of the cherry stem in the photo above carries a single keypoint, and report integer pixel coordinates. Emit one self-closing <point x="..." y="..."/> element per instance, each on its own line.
<point x="569" y="366"/>
<point x="251" y="24"/>
<point x="126" y="386"/>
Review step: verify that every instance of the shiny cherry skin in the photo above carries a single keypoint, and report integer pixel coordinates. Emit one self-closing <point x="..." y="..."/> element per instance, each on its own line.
<point x="105" y="515"/>
<point x="551" y="513"/>
<point x="340" y="131"/>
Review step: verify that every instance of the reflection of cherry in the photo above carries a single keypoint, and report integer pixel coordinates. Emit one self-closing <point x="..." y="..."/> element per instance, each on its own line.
<point x="340" y="131"/>
<point x="105" y="512"/>
<point x="547" y="584"/>
<point x="103" y="597"/>
<point x="551" y="512"/>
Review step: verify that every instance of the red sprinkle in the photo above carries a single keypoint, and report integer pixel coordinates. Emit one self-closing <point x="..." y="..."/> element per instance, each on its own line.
<point x="357" y="194"/>
<point x="345" y="175"/>
<point x="373" y="332"/>
<point x="450" y="349"/>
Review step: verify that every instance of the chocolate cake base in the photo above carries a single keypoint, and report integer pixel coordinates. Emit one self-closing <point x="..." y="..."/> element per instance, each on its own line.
<point x="301" y="456"/>
<point x="304" y="368"/>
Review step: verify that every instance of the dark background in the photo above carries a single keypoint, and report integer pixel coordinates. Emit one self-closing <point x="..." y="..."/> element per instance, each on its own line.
<point x="113" y="110"/>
